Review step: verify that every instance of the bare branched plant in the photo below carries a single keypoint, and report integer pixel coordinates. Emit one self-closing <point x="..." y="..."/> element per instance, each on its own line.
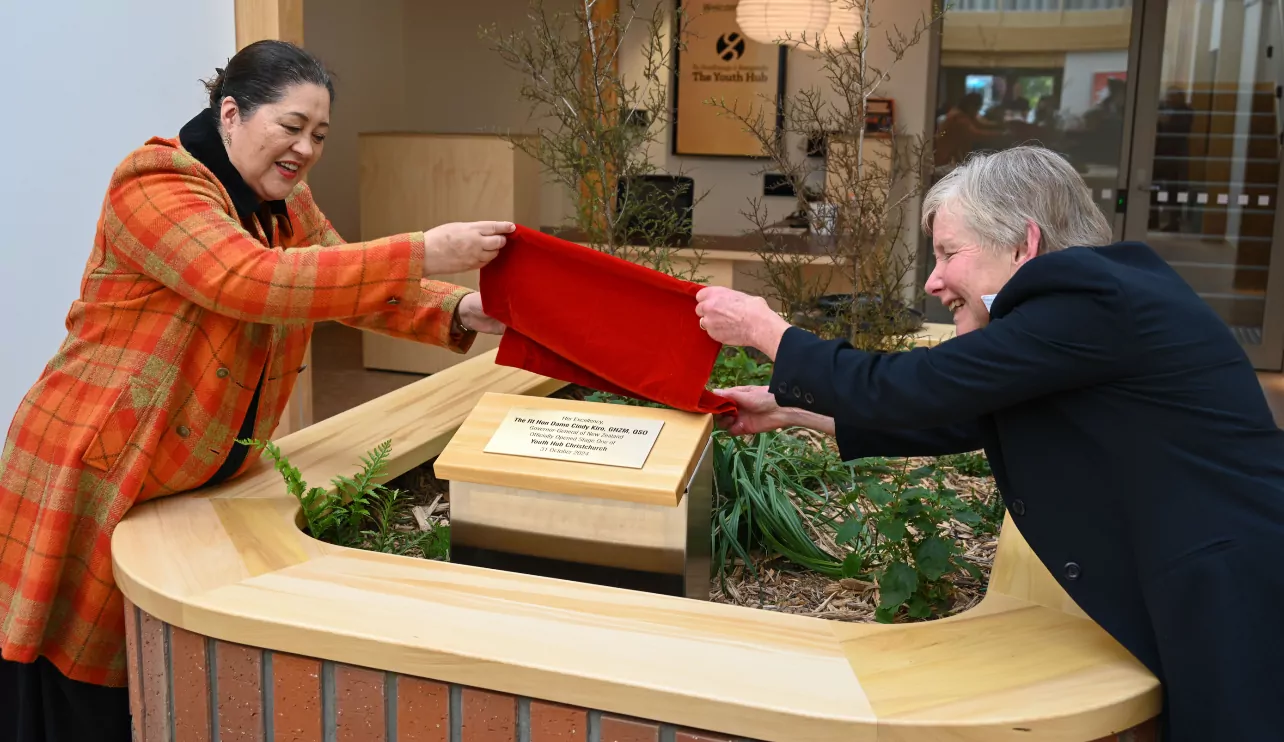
<point x="595" y="123"/>
<point x="858" y="195"/>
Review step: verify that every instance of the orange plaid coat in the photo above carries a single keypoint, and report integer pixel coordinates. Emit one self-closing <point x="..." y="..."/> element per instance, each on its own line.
<point x="181" y="311"/>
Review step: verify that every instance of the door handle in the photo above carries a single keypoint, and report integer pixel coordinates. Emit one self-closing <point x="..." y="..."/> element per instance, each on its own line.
<point x="1142" y="182"/>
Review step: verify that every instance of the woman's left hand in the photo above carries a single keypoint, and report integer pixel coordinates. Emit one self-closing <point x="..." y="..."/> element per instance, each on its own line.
<point x="474" y="318"/>
<point x="733" y="318"/>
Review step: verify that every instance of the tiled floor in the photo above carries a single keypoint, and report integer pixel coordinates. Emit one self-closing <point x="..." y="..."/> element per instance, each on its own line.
<point x="340" y="382"/>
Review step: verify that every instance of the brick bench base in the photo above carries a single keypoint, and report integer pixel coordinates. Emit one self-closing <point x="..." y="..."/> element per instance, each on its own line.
<point x="185" y="687"/>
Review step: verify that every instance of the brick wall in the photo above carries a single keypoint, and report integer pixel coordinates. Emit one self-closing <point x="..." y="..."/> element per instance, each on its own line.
<point x="189" y="688"/>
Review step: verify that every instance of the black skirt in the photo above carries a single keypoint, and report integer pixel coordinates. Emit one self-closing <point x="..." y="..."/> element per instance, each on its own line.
<point x="40" y="704"/>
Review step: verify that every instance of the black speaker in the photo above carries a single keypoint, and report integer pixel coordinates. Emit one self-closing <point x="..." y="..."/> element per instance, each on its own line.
<point x="664" y="197"/>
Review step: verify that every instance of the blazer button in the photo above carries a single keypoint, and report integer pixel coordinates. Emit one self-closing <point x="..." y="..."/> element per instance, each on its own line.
<point x="1073" y="571"/>
<point x="809" y="398"/>
<point x="1018" y="507"/>
<point x="783" y="388"/>
<point x="222" y="373"/>
<point x="797" y="392"/>
<point x="183" y="432"/>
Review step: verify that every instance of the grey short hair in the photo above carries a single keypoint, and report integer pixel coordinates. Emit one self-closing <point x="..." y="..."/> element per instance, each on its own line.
<point x="996" y="193"/>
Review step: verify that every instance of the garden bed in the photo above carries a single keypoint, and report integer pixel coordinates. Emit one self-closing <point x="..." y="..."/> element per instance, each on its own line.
<point x="768" y="580"/>
<point x="794" y="528"/>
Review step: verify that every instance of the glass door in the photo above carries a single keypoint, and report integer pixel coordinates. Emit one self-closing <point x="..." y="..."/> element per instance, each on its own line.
<point x="1051" y="72"/>
<point x="1205" y="158"/>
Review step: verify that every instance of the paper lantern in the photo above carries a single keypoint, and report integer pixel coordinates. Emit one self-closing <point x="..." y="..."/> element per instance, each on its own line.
<point x="845" y="21"/>
<point x="771" y="21"/>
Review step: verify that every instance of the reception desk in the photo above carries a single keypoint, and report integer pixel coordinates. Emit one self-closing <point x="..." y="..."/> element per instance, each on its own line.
<point x="241" y="626"/>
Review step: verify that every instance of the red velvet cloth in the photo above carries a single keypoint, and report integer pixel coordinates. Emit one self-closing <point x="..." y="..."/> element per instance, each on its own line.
<point x="579" y="315"/>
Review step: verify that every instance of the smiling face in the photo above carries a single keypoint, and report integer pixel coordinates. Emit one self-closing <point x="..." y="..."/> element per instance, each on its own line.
<point x="966" y="271"/>
<point x="276" y="145"/>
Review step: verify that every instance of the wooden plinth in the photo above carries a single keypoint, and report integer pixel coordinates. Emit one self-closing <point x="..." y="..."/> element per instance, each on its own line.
<point x="620" y="524"/>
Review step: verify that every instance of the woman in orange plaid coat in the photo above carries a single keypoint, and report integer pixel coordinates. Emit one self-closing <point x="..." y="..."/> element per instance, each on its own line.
<point x="210" y="264"/>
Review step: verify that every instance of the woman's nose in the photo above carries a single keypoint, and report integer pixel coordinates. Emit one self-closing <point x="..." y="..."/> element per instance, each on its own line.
<point x="934" y="283"/>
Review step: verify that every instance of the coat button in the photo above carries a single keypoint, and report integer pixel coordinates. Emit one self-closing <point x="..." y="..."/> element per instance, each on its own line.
<point x="183" y="432"/>
<point x="797" y="392"/>
<point x="782" y="388"/>
<point x="1073" y="571"/>
<point x="809" y="398"/>
<point x="1018" y="507"/>
<point x="222" y="373"/>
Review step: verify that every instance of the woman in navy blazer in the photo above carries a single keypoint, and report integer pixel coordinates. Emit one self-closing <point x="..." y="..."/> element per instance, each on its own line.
<point x="1127" y="431"/>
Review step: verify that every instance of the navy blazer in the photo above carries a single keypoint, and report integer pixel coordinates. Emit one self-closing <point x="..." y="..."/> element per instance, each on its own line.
<point x="1133" y="446"/>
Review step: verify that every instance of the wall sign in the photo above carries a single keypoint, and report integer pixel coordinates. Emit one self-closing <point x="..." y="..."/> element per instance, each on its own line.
<point x="575" y="436"/>
<point x="721" y="63"/>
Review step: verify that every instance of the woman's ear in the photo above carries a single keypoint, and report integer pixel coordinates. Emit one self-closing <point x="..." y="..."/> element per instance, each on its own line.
<point x="229" y="113"/>
<point x="1030" y="248"/>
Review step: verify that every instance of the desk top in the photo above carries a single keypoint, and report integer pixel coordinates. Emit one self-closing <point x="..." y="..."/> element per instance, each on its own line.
<point x="231" y="563"/>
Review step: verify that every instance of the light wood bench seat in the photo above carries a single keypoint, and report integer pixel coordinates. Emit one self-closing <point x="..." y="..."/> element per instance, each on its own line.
<point x="231" y="564"/>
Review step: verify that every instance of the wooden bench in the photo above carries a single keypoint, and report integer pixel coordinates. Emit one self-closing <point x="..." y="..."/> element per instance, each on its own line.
<point x="238" y="621"/>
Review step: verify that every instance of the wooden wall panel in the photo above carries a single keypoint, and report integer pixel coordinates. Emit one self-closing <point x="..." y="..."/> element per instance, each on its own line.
<point x="257" y="20"/>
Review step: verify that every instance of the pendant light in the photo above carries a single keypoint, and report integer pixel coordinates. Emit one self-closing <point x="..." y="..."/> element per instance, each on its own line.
<point x="846" y="19"/>
<point x="771" y="21"/>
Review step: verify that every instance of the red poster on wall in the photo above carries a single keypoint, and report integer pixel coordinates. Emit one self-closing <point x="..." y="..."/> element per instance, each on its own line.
<point x="1101" y="84"/>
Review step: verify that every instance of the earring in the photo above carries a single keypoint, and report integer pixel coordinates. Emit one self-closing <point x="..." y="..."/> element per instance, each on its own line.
<point x="227" y="139"/>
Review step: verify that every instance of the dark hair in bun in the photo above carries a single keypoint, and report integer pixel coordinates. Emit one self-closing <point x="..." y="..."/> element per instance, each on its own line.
<point x="262" y="72"/>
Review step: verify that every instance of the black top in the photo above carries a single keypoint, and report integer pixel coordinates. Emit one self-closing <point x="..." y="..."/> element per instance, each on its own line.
<point x="1134" y="448"/>
<point x="200" y="137"/>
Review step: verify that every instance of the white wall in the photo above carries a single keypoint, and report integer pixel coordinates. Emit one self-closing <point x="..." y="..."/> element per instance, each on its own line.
<point x="456" y="84"/>
<point x="361" y="44"/>
<point x="86" y="82"/>
<point x="1076" y="82"/>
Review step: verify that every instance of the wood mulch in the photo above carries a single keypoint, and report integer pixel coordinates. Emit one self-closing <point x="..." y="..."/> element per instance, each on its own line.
<point x="779" y="585"/>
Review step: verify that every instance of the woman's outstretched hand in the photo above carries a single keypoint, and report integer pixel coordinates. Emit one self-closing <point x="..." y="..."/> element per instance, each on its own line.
<point x="474" y="316"/>
<point x="757" y="412"/>
<point x="463" y="246"/>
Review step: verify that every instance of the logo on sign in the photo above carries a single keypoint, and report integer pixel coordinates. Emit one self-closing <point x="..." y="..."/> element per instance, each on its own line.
<point x="731" y="46"/>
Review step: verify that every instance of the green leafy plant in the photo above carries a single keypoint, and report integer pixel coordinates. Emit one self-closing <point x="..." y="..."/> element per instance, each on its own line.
<point x="356" y="511"/>
<point x="907" y="552"/>
<point x="973" y="464"/>
<point x="737" y="367"/>
<point x="990" y="505"/>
